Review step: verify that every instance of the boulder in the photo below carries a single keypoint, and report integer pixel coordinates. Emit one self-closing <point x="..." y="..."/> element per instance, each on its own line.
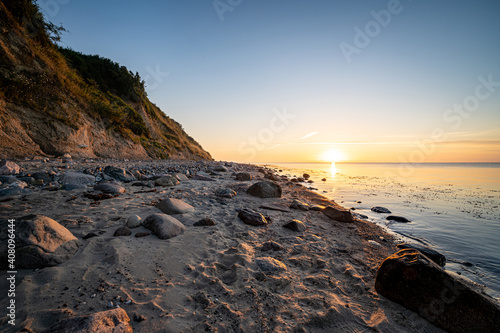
<point x="74" y="180"/>
<point x="270" y="265"/>
<point x="243" y="176"/>
<point x="382" y="210"/>
<point x="413" y="280"/>
<point x="400" y="219"/>
<point x="296" y="225"/>
<point x="205" y="222"/>
<point x="340" y="215"/>
<point x="173" y="206"/>
<point x="297" y="204"/>
<point x="251" y="217"/>
<point x="8" y="168"/>
<point x="110" y="187"/>
<point x="435" y="256"/>
<point x="111" y="321"/>
<point x="134" y="221"/>
<point x="164" y="226"/>
<point x="225" y="193"/>
<point x="306" y="176"/>
<point x="119" y="174"/>
<point x="265" y="189"/>
<point x="40" y="242"/>
<point x="167" y="181"/>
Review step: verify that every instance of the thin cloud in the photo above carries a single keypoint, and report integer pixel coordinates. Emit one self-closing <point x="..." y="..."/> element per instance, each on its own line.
<point x="308" y="135"/>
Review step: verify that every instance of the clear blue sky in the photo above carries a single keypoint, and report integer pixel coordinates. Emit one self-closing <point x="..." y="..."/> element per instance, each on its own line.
<point x="288" y="80"/>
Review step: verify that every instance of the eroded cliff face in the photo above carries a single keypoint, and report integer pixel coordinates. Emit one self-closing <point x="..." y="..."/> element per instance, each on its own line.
<point x="48" y="108"/>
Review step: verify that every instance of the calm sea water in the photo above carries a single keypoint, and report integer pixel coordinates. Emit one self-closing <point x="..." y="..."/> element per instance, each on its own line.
<point x="454" y="208"/>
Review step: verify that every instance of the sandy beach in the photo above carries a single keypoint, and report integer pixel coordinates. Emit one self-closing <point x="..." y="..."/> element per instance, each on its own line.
<point x="209" y="278"/>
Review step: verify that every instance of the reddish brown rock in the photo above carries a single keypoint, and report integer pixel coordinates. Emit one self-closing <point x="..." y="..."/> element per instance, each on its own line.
<point x="416" y="282"/>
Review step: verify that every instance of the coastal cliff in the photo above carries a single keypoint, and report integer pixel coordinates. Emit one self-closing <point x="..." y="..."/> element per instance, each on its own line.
<point x="55" y="101"/>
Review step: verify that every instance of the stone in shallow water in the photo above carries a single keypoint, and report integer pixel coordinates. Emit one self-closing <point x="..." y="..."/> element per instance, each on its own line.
<point x="413" y="280"/>
<point x="382" y="210"/>
<point x="173" y="206"/>
<point x="435" y="256"/>
<point x="400" y="219"/>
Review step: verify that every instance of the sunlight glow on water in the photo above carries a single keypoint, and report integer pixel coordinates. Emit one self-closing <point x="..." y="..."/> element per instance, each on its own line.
<point x="454" y="208"/>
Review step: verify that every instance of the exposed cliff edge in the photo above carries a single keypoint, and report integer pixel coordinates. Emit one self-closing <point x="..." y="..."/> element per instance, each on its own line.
<point x="55" y="101"/>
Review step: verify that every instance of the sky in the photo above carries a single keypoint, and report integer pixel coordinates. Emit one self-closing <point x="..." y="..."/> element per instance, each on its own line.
<point x="301" y="81"/>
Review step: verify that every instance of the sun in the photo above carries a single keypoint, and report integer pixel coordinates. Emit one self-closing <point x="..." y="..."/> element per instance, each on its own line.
<point x="333" y="155"/>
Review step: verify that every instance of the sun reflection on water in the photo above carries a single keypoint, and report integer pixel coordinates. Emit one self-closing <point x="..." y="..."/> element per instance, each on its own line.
<point x="333" y="169"/>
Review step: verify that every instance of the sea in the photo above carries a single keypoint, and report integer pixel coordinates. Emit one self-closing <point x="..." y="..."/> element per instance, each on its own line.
<point x="454" y="208"/>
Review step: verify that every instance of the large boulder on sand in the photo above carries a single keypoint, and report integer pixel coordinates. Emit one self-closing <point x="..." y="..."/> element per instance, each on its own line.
<point x="265" y="189"/>
<point x="164" y="226"/>
<point x="173" y="206"/>
<point x="416" y="282"/>
<point x="40" y="242"/>
<point x="111" y="321"/>
<point x="336" y="214"/>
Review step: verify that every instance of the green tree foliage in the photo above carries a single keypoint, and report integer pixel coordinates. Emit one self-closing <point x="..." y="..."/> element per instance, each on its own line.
<point x="108" y="75"/>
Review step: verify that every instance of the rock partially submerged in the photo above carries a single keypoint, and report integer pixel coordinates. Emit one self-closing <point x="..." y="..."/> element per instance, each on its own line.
<point x="164" y="226"/>
<point x="435" y="256"/>
<point x="381" y="210"/>
<point x="413" y="280"/>
<point x="399" y="219"/>
<point x="40" y="242"/>
<point x="336" y="214"/>
<point x="112" y="321"/>
<point x="265" y="189"/>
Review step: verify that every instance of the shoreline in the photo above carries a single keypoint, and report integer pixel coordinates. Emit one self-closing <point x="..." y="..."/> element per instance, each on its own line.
<point x="207" y="278"/>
